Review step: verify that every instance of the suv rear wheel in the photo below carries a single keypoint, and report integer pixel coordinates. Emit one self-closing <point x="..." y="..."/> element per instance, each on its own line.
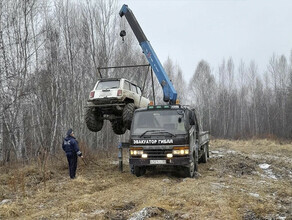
<point x="93" y="119"/>
<point x="118" y="126"/>
<point x="128" y="113"/>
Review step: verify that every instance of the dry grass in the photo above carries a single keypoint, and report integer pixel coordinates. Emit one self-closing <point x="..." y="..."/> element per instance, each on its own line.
<point x="262" y="146"/>
<point x="230" y="186"/>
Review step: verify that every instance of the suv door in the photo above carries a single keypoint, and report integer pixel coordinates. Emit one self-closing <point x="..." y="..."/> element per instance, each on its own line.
<point x="133" y="89"/>
<point x="134" y="94"/>
<point x="127" y="90"/>
<point x="143" y="102"/>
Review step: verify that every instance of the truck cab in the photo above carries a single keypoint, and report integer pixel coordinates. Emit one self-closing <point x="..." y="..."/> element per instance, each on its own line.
<point x="167" y="135"/>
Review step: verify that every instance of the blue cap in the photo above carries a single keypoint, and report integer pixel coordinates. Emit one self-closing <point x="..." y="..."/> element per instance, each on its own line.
<point x="69" y="132"/>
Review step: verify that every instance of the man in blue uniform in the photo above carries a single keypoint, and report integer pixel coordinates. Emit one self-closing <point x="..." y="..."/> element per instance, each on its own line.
<point x="70" y="146"/>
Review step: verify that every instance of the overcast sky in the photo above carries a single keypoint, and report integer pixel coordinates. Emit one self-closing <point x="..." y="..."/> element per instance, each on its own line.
<point x="190" y="30"/>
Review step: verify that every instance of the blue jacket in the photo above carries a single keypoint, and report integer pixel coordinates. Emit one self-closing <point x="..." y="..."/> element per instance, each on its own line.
<point x="70" y="146"/>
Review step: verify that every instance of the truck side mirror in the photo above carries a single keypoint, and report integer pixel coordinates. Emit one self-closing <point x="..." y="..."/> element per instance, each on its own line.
<point x="189" y="119"/>
<point x="192" y="122"/>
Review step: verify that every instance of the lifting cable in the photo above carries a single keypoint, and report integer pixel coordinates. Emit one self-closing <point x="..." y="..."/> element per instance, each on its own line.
<point x="118" y="67"/>
<point x="153" y="93"/>
<point x="143" y="88"/>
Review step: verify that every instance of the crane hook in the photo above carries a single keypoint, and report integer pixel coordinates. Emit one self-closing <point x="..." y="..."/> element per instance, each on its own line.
<point x="123" y="34"/>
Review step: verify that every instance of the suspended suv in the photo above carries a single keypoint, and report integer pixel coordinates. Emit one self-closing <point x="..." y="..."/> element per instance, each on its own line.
<point x="113" y="99"/>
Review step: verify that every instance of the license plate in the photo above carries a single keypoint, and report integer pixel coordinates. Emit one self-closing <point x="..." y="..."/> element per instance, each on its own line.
<point x="157" y="161"/>
<point x="105" y="94"/>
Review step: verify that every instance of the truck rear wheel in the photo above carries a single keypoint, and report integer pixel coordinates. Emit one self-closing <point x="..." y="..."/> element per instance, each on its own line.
<point x="196" y="161"/>
<point x="118" y="126"/>
<point x="204" y="156"/>
<point x="128" y="113"/>
<point x="208" y="150"/>
<point x="93" y="119"/>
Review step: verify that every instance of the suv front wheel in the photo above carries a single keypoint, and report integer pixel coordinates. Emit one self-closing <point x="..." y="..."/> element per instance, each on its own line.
<point x="118" y="126"/>
<point x="128" y="113"/>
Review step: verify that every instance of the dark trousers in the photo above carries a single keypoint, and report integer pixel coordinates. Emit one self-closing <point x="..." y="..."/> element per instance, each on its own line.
<point x="72" y="160"/>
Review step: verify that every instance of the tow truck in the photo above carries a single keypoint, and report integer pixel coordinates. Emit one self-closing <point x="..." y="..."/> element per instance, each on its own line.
<point x="164" y="135"/>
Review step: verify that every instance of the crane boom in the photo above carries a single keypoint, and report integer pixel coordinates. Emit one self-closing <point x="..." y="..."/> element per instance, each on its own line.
<point x="169" y="93"/>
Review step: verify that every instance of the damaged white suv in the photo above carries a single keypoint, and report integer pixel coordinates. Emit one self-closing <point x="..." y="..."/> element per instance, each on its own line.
<point x="113" y="99"/>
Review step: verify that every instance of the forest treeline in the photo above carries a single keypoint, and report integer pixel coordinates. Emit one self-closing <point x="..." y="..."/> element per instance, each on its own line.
<point x="49" y="55"/>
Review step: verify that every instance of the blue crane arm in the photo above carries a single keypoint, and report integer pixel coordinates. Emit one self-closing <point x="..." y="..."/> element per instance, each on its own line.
<point x="169" y="93"/>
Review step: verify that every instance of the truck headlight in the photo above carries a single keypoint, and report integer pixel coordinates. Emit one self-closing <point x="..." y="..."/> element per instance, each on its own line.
<point x="180" y="151"/>
<point x="136" y="152"/>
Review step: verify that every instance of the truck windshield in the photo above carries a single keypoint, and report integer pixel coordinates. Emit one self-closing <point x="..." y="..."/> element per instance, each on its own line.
<point x="108" y="84"/>
<point x="161" y="122"/>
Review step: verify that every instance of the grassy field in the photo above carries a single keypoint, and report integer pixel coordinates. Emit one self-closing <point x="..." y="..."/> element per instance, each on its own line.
<point x="242" y="180"/>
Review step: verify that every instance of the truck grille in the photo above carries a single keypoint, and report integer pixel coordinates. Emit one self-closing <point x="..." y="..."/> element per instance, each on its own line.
<point x="157" y="153"/>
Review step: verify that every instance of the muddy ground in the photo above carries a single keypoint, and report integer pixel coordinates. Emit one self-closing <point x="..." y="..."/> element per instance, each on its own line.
<point x="242" y="180"/>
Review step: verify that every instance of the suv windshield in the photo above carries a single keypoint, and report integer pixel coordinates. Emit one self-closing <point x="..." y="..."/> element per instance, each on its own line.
<point x="163" y="122"/>
<point x="108" y="84"/>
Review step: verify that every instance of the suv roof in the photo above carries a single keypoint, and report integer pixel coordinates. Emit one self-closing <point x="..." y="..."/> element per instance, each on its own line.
<point x="113" y="79"/>
<point x="109" y="79"/>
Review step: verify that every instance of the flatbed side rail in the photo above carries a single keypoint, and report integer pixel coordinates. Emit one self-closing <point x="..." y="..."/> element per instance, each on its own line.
<point x="204" y="137"/>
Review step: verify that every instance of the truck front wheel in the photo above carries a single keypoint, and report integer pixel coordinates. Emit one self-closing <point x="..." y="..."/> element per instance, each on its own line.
<point x="93" y="119"/>
<point x="139" y="171"/>
<point x="190" y="170"/>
